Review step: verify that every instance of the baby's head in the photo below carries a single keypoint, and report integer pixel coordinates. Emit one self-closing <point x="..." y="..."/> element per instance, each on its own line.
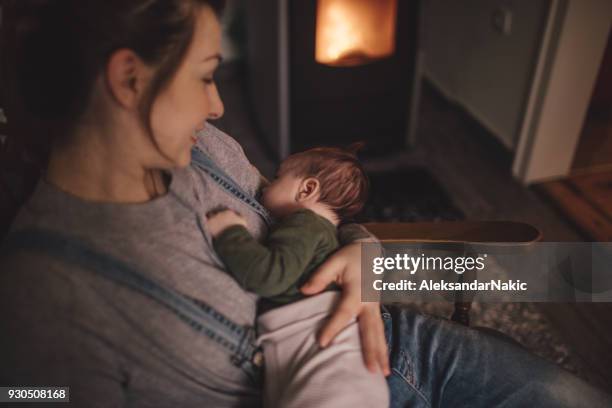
<point x="329" y="181"/>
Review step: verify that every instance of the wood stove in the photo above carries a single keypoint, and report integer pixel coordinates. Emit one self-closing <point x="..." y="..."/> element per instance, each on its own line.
<point x="331" y="72"/>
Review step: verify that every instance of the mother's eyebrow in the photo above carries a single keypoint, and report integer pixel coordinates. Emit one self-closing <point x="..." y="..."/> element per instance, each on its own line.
<point x="218" y="57"/>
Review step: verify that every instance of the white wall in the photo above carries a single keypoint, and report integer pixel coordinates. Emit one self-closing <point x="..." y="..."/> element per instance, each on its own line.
<point x="473" y="63"/>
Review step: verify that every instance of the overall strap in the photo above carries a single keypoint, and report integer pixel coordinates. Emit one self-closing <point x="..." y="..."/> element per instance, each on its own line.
<point x="205" y="162"/>
<point x="238" y="340"/>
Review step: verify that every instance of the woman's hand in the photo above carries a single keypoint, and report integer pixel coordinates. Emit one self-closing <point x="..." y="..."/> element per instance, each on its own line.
<point x="219" y="221"/>
<point x="344" y="268"/>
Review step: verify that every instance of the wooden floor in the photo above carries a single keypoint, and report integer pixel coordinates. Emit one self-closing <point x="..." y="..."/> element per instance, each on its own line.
<point x="476" y="171"/>
<point x="594" y="148"/>
<point x="586" y="199"/>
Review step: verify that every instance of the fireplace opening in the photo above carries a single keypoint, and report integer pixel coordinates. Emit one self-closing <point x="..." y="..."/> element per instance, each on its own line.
<point x="354" y="32"/>
<point x="332" y="72"/>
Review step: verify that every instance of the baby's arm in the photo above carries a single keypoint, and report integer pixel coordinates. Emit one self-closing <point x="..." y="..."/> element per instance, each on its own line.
<point x="268" y="269"/>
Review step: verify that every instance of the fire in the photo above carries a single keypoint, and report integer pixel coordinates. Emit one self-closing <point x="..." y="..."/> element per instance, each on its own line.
<point x="353" y="32"/>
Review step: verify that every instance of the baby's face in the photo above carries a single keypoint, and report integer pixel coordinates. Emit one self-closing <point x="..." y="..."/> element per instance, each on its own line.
<point x="279" y="197"/>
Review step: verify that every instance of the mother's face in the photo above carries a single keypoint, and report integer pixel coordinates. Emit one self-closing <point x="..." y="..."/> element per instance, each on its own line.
<point x="191" y="97"/>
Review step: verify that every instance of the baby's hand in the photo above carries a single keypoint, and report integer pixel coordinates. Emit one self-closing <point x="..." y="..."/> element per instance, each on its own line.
<point x="220" y="221"/>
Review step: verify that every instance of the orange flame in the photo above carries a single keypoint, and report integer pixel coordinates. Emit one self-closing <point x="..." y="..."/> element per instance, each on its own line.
<point x="353" y="32"/>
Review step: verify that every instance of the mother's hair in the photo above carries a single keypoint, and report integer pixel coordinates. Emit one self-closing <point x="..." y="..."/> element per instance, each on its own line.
<point x="67" y="43"/>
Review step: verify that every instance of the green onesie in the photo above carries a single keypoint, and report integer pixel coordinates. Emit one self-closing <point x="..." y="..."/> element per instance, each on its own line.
<point x="276" y="268"/>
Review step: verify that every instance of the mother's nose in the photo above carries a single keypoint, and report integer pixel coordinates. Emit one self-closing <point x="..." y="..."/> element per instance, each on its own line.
<point x="216" y="105"/>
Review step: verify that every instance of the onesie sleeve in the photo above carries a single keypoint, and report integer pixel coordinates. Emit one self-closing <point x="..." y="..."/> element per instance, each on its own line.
<point x="271" y="268"/>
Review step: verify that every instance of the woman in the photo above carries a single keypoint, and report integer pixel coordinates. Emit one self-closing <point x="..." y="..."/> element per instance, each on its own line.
<point x="130" y="80"/>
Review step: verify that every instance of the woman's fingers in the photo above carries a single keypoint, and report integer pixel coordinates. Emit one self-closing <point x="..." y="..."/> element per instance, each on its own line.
<point x="324" y="275"/>
<point x="344" y="268"/>
<point x="373" y="340"/>
<point x="347" y="310"/>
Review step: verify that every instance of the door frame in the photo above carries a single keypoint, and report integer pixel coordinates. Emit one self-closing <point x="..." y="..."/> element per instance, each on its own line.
<point x="572" y="48"/>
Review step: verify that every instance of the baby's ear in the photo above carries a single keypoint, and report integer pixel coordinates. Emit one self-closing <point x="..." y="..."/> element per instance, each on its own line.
<point x="310" y="189"/>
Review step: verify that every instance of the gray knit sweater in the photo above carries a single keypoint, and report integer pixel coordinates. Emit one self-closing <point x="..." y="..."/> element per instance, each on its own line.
<point x="112" y="346"/>
<point x="62" y="325"/>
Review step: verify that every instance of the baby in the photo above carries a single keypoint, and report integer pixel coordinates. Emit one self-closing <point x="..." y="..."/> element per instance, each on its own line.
<point x="314" y="191"/>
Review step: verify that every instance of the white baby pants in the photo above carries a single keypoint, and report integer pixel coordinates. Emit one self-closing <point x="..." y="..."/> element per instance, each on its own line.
<point x="300" y="374"/>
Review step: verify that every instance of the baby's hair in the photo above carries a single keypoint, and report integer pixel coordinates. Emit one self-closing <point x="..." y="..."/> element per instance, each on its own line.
<point x="344" y="184"/>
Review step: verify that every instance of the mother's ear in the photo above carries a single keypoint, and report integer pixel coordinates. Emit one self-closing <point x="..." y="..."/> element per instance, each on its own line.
<point x="127" y="77"/>
<point x="310" y="190"/>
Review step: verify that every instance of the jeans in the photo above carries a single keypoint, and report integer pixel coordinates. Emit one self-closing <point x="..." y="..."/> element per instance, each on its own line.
<point x="438" y="363"/>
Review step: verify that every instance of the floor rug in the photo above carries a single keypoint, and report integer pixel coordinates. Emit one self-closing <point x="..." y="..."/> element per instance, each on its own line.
<point x="412" y="195"/>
